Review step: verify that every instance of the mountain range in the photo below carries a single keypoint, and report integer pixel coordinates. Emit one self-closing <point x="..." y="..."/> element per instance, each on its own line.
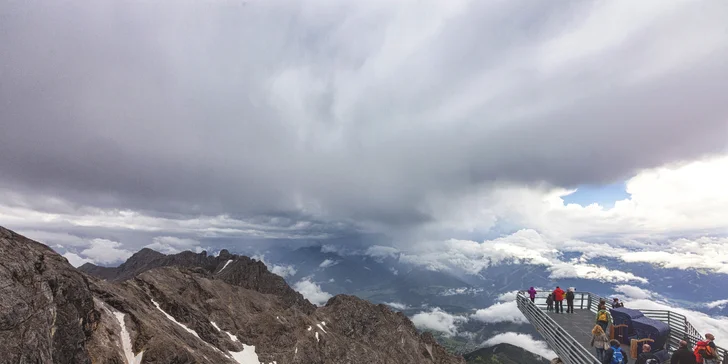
<point x="187" y="308"/>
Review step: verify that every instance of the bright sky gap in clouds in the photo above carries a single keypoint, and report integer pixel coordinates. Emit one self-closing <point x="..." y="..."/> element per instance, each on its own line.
<point x="210" y="123"/>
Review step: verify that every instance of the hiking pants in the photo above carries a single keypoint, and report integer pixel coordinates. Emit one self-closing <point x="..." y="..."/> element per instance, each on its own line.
<point x="559" y="306"/>
<point x="570" y="306"/>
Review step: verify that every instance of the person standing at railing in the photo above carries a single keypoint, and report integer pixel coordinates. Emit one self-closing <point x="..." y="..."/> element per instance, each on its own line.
<point x="559" y="299"/>
<point x="599" y="341"/>
<point x="550" y="302"/>
<point x="570" y="300"/>
<point x="705" y="351"/>
<point x="532" y="294"/>
<point x="683" y="355"/>
<point x="604" y="318"/>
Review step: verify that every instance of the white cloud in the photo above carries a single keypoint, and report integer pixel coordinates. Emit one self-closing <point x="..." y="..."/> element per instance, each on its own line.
<point x="106" y="251"/>
<point x="380" y="252"/>
<point x="507" y="296"/>
<point x="500" y="312"/>
<point x="328" y="263"/>
<point x="394" y="271"/>
<point x="524" y="341"/>
<point x="75" y="260"/>
<point x="284" y="270"/>
<point x="397" y="305"/>
<point x="719" y="304"/>
<point x="461" y="291"/>
<point x="670" y="200"/>
<point x="593" y="272"/>
<point x="330" y="248"/>
<point x="438" y="320"/>
<point x="524" y="246"/>
<point x="172" y="244"/>
<point x="705" y="252"/>
<point x="312" y="292"/>
<point x="633" y="292"/>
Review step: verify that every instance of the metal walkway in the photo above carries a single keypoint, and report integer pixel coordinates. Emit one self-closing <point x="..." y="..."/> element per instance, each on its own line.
<point x="579" y="324"/>
<point x="569" y="334"/>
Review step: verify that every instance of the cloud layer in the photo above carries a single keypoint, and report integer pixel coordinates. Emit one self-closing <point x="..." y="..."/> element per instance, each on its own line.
<point x="375" y="112"/>
<point x="438" y="320"/>
<point x="524" y="341"/>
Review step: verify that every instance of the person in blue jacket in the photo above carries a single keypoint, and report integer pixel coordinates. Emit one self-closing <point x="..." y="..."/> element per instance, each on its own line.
<point x="615" y="354"/>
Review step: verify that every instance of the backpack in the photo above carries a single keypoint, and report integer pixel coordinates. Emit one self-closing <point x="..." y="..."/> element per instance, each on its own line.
<point x="602" y="316"/>
<point x="617" y="357"/>
<point x="702" y="350"/>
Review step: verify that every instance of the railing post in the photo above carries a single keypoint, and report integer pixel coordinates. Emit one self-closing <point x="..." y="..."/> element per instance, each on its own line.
<point x="589" y="303"/>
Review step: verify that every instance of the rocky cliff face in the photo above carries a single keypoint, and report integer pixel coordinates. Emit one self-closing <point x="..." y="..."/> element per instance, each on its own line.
<point x="186" y="308"/>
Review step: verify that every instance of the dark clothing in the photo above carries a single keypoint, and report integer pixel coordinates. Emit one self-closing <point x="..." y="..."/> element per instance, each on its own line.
<point x="683" y="356"/>
<point x="642" y="358"/>
<point x="608" y="356"/>
<point x="559" y="306"/>
<point x="570" y="302"/>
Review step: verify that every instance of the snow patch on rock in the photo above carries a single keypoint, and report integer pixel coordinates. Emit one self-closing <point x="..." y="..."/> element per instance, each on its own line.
<point x="321" y="328"/>
<point x="170" y="318"/>
<point x="225" y="266"/>
<point x="125" y="338"/>
<point x="247" y="356"/>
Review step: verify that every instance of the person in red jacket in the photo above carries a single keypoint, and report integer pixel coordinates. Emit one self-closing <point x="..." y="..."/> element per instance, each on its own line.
<point x="559" y="299"/>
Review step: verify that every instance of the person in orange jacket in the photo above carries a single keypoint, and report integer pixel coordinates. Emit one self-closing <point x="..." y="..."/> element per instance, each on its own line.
<point x="559" y="299"/>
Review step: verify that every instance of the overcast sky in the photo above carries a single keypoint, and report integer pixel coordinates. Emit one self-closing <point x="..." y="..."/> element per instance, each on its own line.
<point x="125" y="123"/>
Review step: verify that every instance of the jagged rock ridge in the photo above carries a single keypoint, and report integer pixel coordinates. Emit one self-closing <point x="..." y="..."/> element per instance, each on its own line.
<point x="186" y="309"/>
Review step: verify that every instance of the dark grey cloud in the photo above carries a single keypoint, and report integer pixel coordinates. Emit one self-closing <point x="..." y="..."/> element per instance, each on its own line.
<point x="347" y="112"/>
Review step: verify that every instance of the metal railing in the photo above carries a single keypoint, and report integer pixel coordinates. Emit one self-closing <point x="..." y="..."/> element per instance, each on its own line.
<point x="566" y="347"/>
<point x="680" y="327"/>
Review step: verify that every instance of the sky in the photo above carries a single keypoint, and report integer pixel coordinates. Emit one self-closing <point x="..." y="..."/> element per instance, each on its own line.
<point x="422" y="125"/>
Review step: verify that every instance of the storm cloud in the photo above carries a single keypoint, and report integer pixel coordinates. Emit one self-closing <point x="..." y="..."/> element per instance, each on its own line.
<point x="346" y="115"/>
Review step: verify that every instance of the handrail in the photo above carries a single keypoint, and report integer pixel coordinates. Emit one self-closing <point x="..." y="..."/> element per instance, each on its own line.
<point x="566" y="347"/>
<point x="680" y="327"/>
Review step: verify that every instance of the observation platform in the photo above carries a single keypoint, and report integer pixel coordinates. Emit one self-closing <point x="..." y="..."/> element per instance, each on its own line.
<point x="569" y="334"/>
